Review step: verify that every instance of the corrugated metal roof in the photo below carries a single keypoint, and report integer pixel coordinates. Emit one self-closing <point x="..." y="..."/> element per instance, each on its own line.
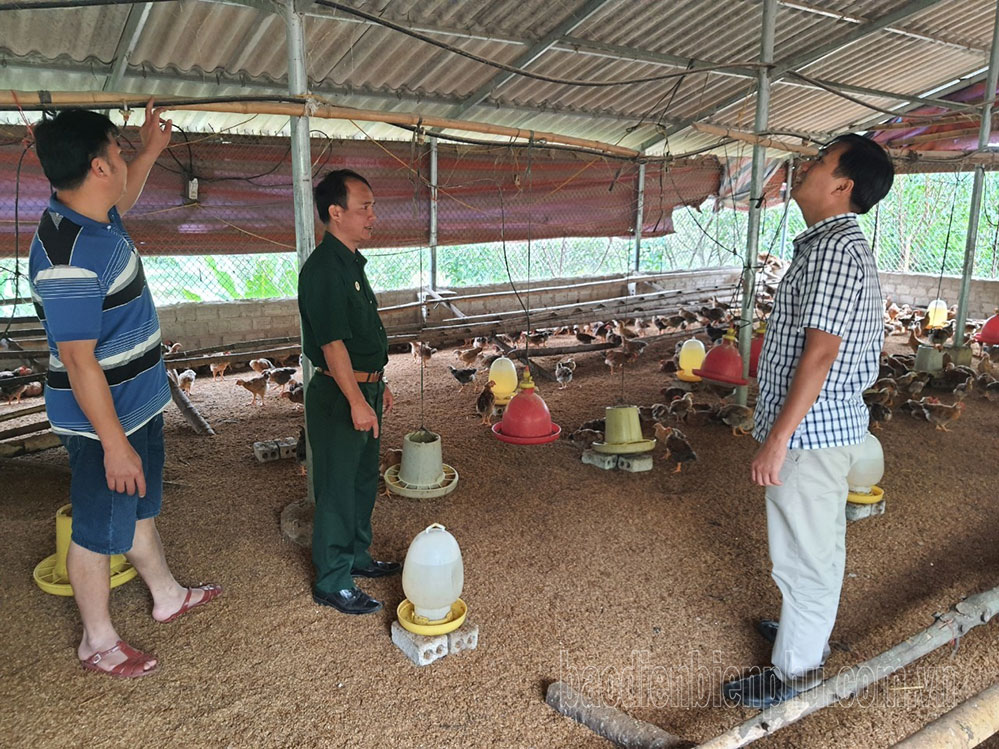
<point x="200" y="48"/>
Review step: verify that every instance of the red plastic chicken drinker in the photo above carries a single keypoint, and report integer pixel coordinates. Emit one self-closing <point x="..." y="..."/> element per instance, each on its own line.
<point x="989" y="334"/>
<point x="527" y="420"/>
<point x="723" y="363"/>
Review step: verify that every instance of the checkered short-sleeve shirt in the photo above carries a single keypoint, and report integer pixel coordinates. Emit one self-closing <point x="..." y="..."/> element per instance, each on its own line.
<point x="831" y="285"/>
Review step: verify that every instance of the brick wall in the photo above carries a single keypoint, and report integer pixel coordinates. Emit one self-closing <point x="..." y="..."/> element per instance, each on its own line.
<point x="920" y="289"/>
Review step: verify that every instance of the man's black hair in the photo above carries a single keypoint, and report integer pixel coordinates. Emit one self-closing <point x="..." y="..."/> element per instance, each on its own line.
<point x="67" y="143"/>
<point x="332" y="190"/>
<point x="866" y="163"/>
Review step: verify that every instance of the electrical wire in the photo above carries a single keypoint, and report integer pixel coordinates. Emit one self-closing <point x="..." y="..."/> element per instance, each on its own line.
<point x="520" y="71"/>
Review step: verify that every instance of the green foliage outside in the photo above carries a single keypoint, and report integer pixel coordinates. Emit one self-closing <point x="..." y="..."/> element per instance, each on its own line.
<point x="909" y="232"/>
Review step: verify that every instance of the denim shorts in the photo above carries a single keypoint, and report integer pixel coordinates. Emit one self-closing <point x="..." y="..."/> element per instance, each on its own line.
<point x="104" y="520"/>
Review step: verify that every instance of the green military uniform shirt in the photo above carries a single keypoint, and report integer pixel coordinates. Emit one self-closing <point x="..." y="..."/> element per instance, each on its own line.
<point x="336" y="303"/>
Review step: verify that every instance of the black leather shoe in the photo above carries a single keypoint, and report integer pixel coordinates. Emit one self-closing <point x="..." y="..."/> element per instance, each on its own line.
<point x="768" y="629"/>
<point x="377" y="569"/>
<point x="758" y="691"/>
<point x="347" y="601"/>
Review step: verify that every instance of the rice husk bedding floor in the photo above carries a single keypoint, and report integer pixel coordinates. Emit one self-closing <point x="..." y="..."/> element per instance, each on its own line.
<point x="639" y="589"/>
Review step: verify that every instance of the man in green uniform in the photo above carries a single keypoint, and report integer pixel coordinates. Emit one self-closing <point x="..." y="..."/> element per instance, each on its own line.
<point x="344" y="339"/>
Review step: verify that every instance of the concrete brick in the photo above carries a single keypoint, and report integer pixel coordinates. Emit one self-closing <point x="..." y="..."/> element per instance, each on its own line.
<point x="466" y="637"/>
<point x="419" y="649"/>
<point x="287" y="446"/>
<point x="635" y="463"/>
<point x="600" y="460"/>
<point x="206" y="312"/>
<point x="856" y="512"/>
<point x="267" y="451"/>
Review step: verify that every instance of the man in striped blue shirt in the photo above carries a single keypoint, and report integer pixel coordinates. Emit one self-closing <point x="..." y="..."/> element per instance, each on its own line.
<point x="106" y="387"/>
<point x="821" y="351"/>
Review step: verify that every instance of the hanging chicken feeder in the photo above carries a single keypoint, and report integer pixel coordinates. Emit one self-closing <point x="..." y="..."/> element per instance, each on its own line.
<point x="421" y="474"/>
<point x="526" y="420"/>
<point x="691" y="357"/>
<point x="50" y="573"/>
<point x="936" y="314"/>
<point x="623" y="432"/>
<point x="929" y="359"/>
<point x="989" y="334"/>
<point x="723" y="363"/>
<point x="432" y="578"/>
<point x="755" y="348"/>
<point x="503" y="372"/>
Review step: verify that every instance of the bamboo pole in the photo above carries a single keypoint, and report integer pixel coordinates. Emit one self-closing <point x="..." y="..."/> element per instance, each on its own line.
<point x="311" y="106"/>
<point x="22" y="412"/>
<point x="28" y="445"/>
<point x="26" y="429"/>
<point x="201" y="360"/>
<point x="233" y="348"/>
<point x="965" y="726"/>
<point x="962" y="617"/>
<point x="765" y="141"/>
<point x="609" y="722"/>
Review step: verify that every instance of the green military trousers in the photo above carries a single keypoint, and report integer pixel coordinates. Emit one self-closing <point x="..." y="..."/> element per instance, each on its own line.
<point x="345" y="481"/>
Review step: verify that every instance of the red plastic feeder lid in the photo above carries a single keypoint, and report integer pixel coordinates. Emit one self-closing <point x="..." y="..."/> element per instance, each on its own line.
<point x="989" y="334"/>
<point x="722" y="364"/>
<point x="527" y="421"/>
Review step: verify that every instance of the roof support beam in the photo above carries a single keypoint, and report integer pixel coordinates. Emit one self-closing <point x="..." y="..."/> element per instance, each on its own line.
<point x="137" y="17"/>
<point x="250" y="85"/>
<point x="795" y="62"/>
<point x="566" y="26"/>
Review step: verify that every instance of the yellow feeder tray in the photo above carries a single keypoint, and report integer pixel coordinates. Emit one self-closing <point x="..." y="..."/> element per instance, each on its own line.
<point x="418" y="625"/>
<point x="50" y="574"/>
<point x="876" y="495"/>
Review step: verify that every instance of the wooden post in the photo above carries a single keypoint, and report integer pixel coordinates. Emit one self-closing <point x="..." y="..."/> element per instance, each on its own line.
<point x="187" y="409"/>
<point x="967" y="725"/>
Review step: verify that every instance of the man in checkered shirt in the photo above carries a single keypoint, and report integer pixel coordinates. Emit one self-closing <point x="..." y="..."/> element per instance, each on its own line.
<point x="821" y="352"/>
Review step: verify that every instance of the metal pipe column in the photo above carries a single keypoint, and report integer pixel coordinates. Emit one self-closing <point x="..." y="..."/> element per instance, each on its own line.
<point x="756" y="191"/>
<point x="639" y="220"/>
<point x="984" y="132"/>
<point x="433" y="214"/>
<point x="301" y="165"/>
<point x="787" y="209"/>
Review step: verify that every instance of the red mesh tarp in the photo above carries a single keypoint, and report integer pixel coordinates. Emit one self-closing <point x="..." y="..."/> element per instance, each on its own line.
<point x="244" y="202"/>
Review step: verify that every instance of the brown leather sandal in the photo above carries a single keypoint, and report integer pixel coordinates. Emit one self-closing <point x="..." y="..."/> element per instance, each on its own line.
<point x="212" y="592"/>
<point x="131" y="668"/>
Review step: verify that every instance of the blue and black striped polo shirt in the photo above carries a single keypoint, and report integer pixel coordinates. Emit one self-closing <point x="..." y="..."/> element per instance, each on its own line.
<point x="87" y="284"/>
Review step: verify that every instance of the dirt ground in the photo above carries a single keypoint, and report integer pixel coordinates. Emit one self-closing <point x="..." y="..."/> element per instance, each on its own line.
<point x="640" y="589"/>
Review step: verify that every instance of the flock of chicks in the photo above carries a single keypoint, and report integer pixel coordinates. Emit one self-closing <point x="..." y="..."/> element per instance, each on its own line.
<point x="899" y="384"/>
<point x="280" y="378"/>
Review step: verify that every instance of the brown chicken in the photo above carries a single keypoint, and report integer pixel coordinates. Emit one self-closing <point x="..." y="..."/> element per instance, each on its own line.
<point x="219" y="367"/>
<point x="940" y="414"/>
<point x="991" y="391"/>
<point x="470" y="355"/>
<point x="13" y="393"/>
<point x="257" y="386"/>
<point x="677" y="446"/>
<point x="740" y="418"/>
<point x="260" y="365"/>
<point x="391" y="457"/>
<point x="486" y="402"/>
<point x="679" y="408"/>
<point x="295" y="392"/>
<point x="617" y="359"/>
<point x="422" y="351"/>
<point x="597" y="425"/>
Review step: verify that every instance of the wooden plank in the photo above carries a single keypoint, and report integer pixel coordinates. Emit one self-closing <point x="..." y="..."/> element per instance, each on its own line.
<point x="6" y="434"/>
<point x="33" y="444"/>
<point x="11" y="415"/>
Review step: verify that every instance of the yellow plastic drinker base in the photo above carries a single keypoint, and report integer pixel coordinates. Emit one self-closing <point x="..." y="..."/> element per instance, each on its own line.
<point x="50" y="574"/>
<point x="876" y="495"/>
<point x="418" y="625"/>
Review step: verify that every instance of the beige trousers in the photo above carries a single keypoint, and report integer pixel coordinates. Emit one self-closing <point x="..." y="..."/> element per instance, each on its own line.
<point x="806" y="529"/>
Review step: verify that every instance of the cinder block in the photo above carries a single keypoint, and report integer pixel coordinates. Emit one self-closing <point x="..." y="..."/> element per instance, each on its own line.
<point x="635" y="463"/>
<point x="466" y="637"/>
<point x="420" y="649"/>
<point x="600" y="460"/>
<point x="856" y="512"/>
<point x="287" y="446"/>
<point x="267" y="450"/>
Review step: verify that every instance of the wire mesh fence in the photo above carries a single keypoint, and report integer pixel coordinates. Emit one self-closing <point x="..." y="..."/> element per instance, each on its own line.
<point x="215" y="221"/>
